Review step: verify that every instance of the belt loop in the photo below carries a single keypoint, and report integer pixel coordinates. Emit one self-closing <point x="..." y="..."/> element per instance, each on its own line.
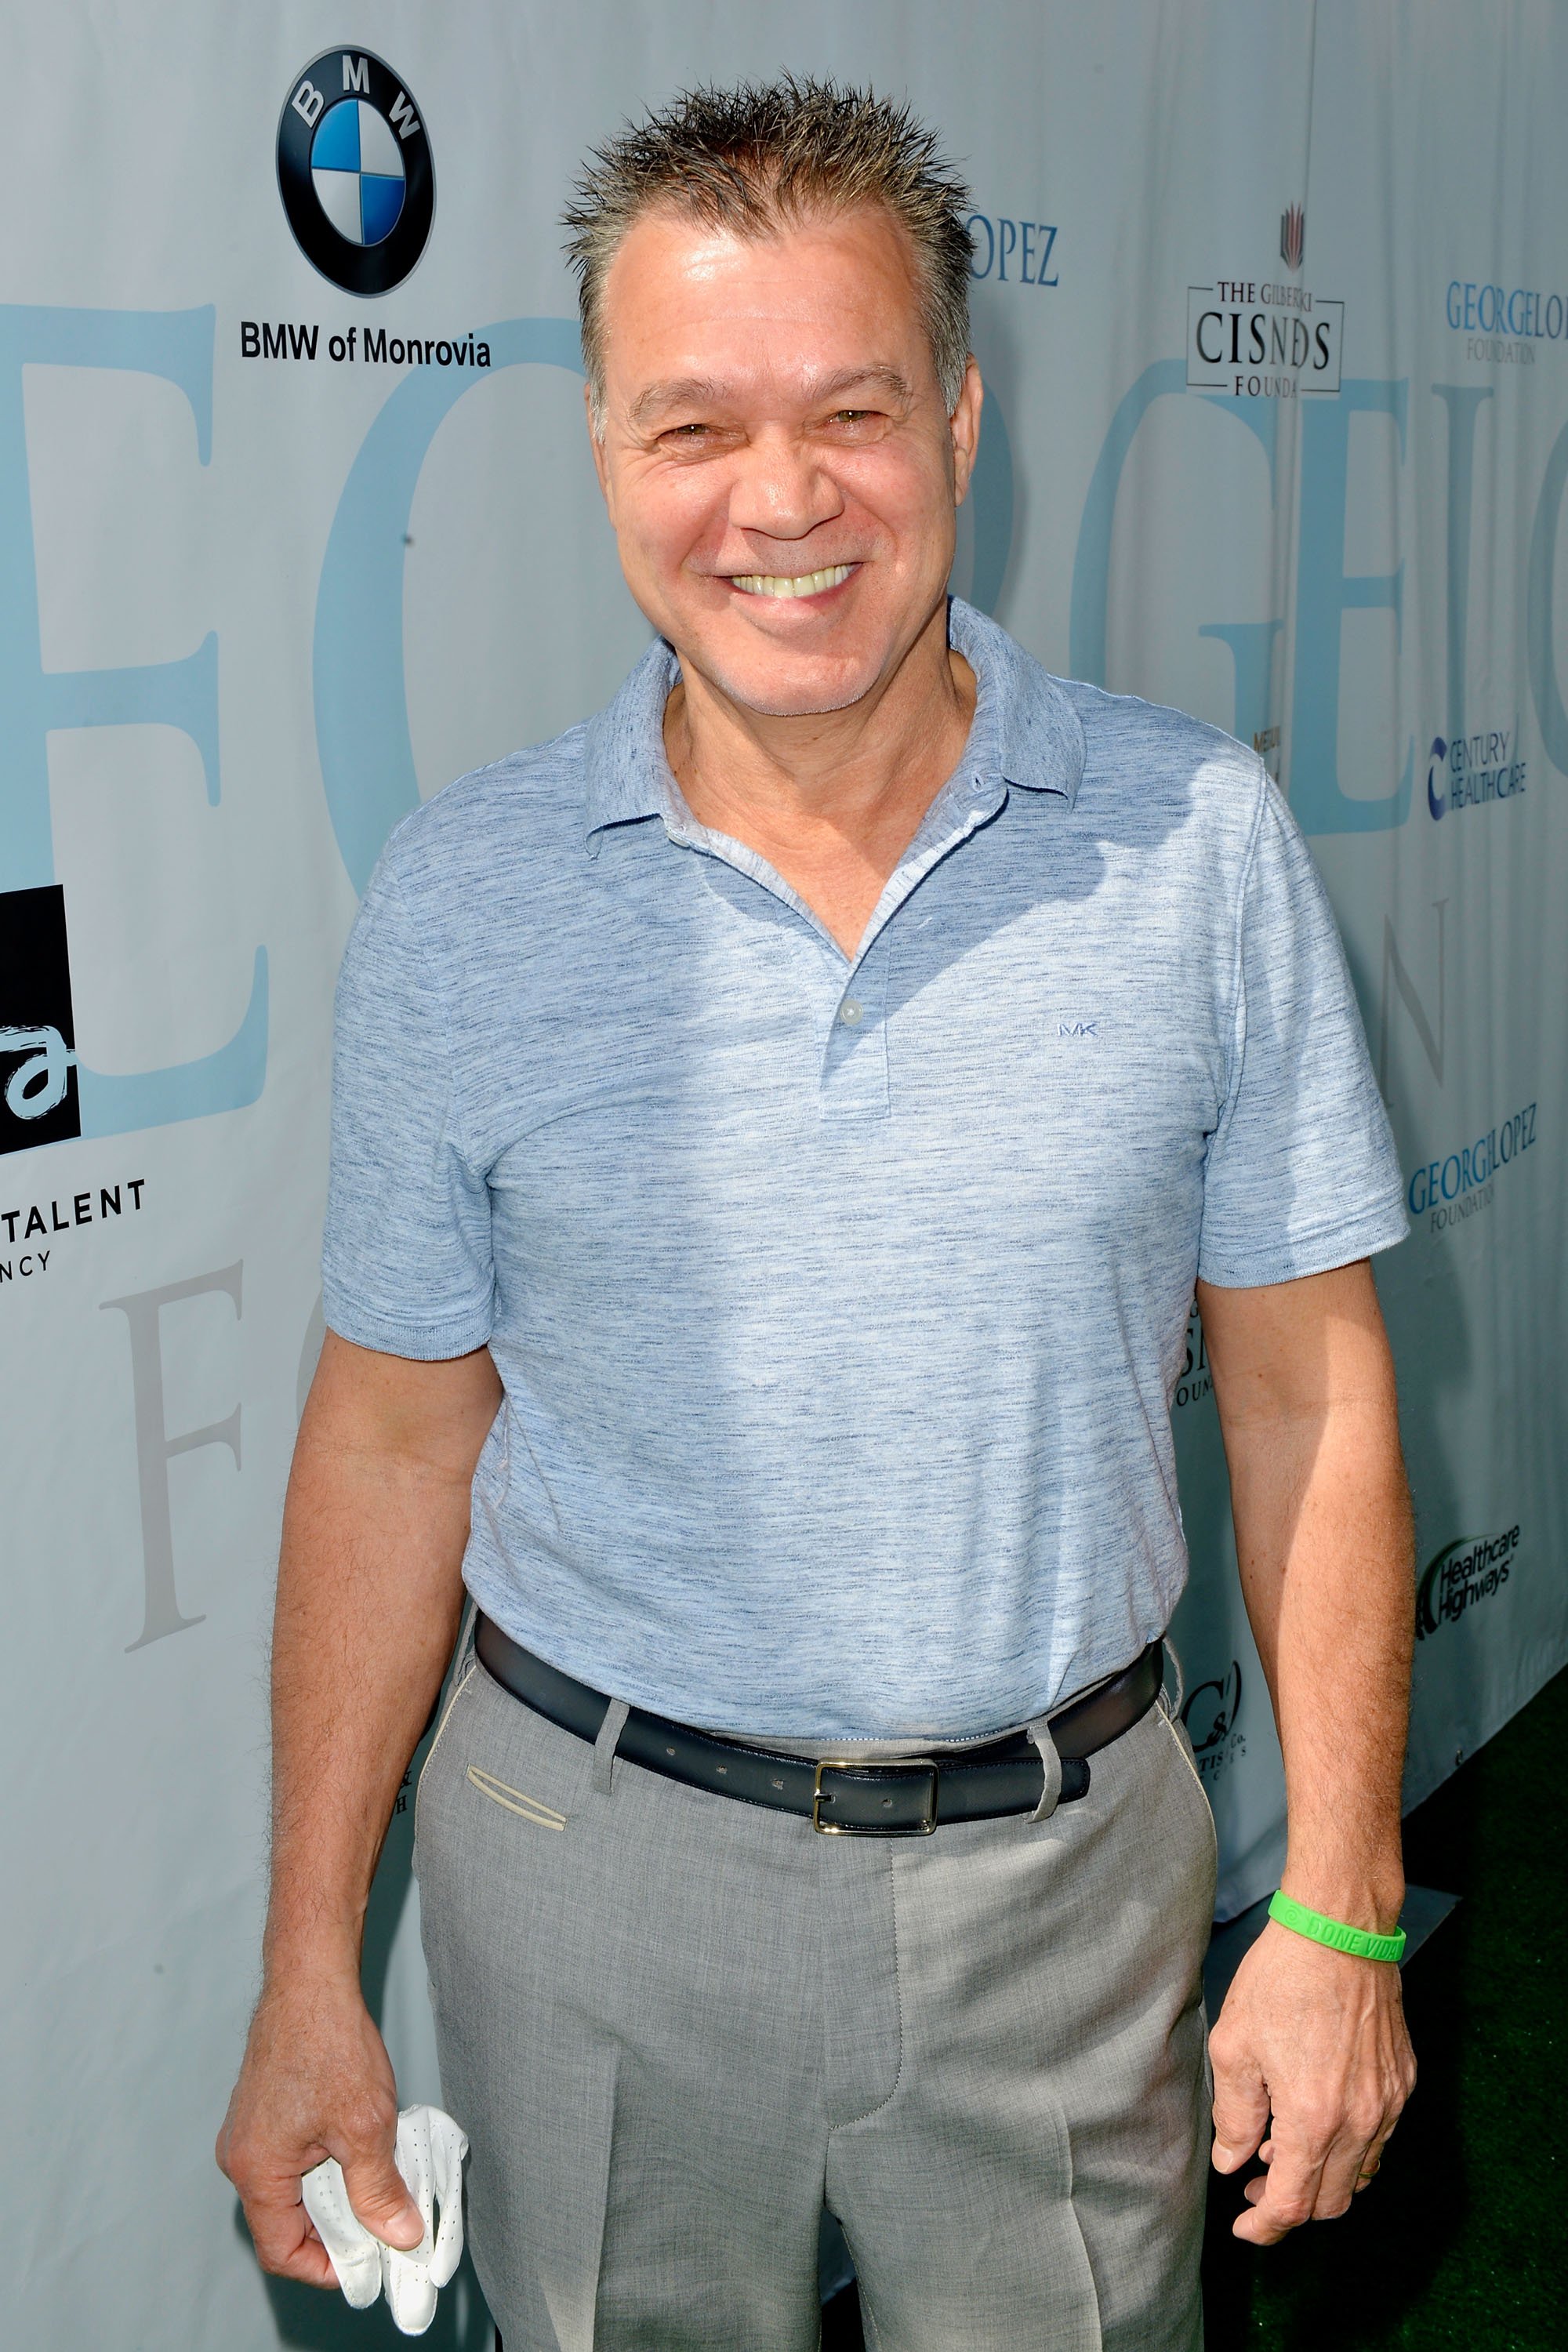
<point x="1040" y="1734"/>
<point x="604" y="1746"/>
<point x="1173" y="1707"/>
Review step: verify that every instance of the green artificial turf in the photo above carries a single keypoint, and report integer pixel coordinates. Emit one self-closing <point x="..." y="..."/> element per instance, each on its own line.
<point x="1462" y="2241"/>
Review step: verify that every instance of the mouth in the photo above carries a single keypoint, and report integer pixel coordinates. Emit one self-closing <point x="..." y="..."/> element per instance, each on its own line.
<point x="787" y="585"/>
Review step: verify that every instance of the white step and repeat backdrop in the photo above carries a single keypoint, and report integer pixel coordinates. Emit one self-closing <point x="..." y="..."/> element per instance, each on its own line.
<point x="1272" y="302"/>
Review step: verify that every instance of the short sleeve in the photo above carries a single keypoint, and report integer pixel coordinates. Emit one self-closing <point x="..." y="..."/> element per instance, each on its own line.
<point x="405" y="1256"/>
<point x="1302" y="1174"/>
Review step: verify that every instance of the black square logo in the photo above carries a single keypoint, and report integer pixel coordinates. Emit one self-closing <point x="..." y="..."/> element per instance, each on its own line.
<point x="37" y="1036"/>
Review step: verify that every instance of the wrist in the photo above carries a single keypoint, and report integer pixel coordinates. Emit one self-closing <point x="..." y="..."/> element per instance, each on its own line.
<point x="1371" y="1901"/>
<point x="1337" y="1934"/>
<point x="319" y="1957"/>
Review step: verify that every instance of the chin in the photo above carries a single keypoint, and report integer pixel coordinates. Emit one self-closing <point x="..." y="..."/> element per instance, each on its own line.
<point x="794" y="689"/>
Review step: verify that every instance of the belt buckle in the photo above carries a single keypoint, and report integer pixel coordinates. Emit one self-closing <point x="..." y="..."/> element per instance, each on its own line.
<point x="923" y="1828"/>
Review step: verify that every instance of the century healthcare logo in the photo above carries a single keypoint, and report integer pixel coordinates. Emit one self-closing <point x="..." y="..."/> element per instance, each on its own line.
<point x="1470" y="1569"/>
<point x="354" y="172"/>
<point x="1474" y="770"/>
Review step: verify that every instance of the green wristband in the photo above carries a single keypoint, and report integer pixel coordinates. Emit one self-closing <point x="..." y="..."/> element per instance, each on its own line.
<point x="1358" y="1941"/>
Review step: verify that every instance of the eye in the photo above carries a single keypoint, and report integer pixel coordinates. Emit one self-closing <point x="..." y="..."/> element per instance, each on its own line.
<point x="855" y="424"/>
<point x="695" y="439"/>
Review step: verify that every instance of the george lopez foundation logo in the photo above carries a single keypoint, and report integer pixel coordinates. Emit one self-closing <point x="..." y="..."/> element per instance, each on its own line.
<point x="354" y="172"/>
<point x="1450" y="1191"/>
<point x="1466" y="1572"/>
<point x="38" y="1100"/>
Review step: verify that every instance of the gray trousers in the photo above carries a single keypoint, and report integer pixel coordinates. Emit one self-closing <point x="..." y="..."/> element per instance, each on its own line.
<point x="674" y="2026"/>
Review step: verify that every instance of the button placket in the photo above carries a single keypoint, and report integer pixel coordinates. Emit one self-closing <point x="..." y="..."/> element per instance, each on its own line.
<point x="854" y="1082"/>
<point x="855" y="1055"/>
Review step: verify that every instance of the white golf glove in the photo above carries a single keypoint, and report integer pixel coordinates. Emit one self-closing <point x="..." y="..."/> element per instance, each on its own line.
<point x="429" y="2155"/>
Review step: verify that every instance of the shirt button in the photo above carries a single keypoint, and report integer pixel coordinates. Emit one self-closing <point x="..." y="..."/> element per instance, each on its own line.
<point x="849" y="1013"/>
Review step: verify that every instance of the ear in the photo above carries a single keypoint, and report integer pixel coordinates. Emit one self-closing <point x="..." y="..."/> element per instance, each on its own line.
<point x="597" y="448"/>
<point x="965" y="427"/>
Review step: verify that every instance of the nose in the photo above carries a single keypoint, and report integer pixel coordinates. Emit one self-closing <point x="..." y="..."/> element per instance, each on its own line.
<point x="782" y="490"/>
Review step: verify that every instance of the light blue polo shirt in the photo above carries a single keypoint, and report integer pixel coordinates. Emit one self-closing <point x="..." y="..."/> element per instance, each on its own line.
<point x="839" y="1303"/>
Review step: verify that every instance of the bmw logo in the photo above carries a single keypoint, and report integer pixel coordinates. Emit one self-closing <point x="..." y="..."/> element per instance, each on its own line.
<point x="354" y="170"/>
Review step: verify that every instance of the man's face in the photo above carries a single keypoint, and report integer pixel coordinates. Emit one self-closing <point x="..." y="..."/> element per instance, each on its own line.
<point x="777" y="460"/>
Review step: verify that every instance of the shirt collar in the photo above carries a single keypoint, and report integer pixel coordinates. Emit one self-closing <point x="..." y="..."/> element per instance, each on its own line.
<point x="1025" y="730"/>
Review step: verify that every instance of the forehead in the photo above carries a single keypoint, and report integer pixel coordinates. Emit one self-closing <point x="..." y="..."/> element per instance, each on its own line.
<point x="818" y="296"/>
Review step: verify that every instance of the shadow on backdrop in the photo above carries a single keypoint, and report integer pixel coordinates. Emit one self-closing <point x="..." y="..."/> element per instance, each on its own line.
<point x="1376" y="2279"/>
<point x="1359" y="2279"/>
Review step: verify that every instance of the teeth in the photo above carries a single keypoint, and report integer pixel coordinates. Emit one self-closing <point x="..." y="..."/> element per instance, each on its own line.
<point x="808" y="584"/>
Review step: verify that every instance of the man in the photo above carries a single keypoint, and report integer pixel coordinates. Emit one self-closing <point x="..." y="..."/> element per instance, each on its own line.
<point x="778" y="1128"/>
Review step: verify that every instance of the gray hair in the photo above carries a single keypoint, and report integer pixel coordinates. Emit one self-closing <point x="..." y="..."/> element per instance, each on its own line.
<point x="754" y="161"/>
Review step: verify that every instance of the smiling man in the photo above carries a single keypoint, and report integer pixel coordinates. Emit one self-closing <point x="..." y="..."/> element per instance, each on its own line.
<point x="778" y="1128"/>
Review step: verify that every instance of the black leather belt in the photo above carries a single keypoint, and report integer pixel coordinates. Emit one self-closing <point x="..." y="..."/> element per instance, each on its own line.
<point x="907" y="1799"/>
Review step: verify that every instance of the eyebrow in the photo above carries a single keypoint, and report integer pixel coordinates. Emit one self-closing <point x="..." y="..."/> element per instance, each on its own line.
<point x="700" y="391"/>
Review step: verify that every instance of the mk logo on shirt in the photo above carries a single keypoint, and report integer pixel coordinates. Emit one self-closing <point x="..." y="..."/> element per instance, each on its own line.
<point x="1078" y="1028"/>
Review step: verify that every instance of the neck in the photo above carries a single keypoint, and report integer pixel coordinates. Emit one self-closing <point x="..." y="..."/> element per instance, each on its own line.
<point x="832" y="801"/>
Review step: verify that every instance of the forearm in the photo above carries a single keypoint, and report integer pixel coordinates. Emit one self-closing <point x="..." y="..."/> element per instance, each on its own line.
<point x="369" y="1591"/>
<point x="369" y="1596"/>
<point x="1310" y="2047"/>
<point x="1323" y="1538"/>
<point x="1305" y="1385"/>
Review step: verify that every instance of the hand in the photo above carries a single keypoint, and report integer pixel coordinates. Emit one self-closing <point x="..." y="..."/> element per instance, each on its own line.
<point x="315" y="2082"/>
<point x="1317" y="2038"/>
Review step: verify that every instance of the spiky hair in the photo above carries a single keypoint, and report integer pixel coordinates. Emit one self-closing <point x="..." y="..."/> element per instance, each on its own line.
<point x="754" y="159"/>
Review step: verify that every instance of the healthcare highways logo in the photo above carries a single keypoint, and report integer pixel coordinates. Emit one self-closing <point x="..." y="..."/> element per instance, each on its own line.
<point x="1471" y="1569"/>
<point x="354" y="172"/>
